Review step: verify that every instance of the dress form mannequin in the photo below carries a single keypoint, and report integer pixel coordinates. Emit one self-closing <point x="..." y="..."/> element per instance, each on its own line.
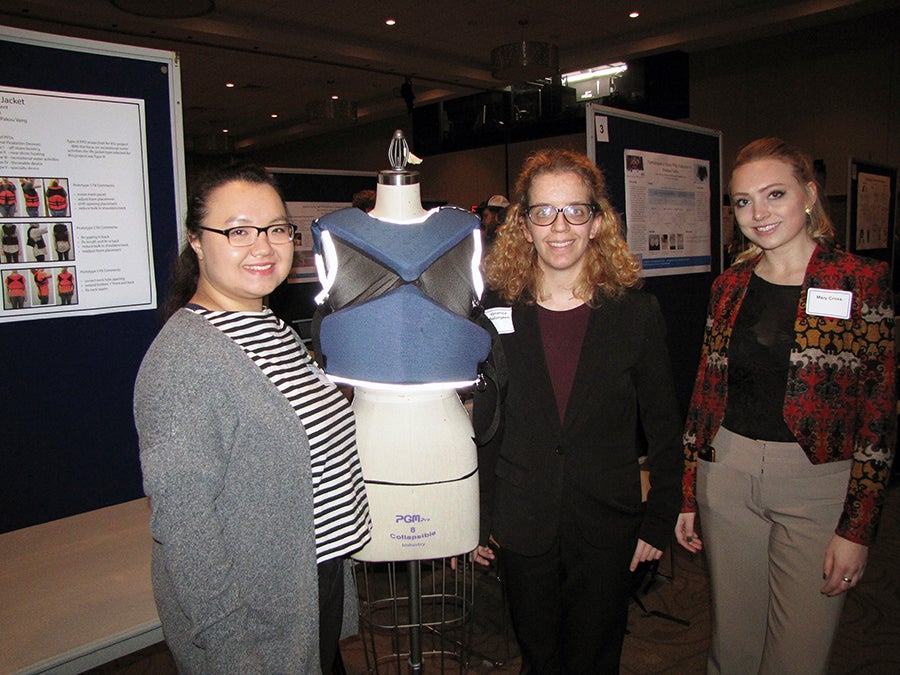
<point x="414" y="437"/>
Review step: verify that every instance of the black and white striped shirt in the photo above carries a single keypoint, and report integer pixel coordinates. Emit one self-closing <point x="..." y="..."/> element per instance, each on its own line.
<point x="340" y="509"/>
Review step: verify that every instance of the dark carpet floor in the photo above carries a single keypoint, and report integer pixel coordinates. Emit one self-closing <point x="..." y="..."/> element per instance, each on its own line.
<point x="471" y="634"/>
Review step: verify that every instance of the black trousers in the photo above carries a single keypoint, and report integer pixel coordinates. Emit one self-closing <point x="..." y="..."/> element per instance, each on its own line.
<point x="331" y="612"/>
<point x="569" y="606"/>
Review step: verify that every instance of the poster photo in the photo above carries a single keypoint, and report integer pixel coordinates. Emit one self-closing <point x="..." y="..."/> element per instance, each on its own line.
<point x="667" y="210"/>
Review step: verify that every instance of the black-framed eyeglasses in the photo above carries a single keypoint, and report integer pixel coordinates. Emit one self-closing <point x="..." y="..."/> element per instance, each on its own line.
<point x="246" y="235"/>
<point x="543" y="215"/>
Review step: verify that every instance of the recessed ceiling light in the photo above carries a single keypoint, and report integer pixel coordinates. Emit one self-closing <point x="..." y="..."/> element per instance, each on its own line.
<point x="230" y="85"/>
<point x="224" y="131"/>
<point x="634" y="15"/>
<point x="334" y="97"/>
<point x="390" y="22"/>
<point x="273" y="115"/>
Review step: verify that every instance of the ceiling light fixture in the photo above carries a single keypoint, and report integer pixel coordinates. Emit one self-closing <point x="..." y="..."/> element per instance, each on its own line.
<point x="633" y="15"/>
<point x="407" y="94"/>
<point x="390" y="22"/>
<point x="524" y="61"/>
<point x="594" y="73"/>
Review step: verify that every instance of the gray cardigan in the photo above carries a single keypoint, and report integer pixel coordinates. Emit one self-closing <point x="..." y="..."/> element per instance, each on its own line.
<point x="226" y="465"/>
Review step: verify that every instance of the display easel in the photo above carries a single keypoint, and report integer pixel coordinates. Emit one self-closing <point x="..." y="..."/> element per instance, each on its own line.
<point x="647" y="576"/>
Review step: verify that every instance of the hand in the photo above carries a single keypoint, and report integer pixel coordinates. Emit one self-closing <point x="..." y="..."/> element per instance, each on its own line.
<point x="685" y="533"/>
<point x="483" y="555"/>
<point x="642" y="553"/>
<point x="844" y="559"/>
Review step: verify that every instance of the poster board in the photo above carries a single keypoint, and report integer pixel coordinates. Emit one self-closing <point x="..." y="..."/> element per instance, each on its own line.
<point x="872" y="211"/>
<point x="672" y="174"/>
<point x="664" y="178"/>
<point x="69" y="443"/>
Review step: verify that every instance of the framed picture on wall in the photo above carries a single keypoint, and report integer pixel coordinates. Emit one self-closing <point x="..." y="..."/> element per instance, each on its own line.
<point x="871" y="211"/>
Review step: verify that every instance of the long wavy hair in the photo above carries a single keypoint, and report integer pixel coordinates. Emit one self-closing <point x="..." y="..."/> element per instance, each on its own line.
<point x="818" y="223"/>
<point x="186" y="270"/>
<point x="511" y="267"/>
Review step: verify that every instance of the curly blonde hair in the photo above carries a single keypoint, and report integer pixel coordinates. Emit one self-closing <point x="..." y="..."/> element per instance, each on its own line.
<point x="818" y="223"/>
<point x="511" y="267"/>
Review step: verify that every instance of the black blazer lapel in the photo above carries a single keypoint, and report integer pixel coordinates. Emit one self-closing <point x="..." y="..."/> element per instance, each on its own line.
<point x="599" y="346"/>
<point x="534" y="365"/>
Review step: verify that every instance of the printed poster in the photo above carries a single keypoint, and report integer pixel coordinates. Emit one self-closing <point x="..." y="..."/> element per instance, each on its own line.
<point x="667" y="211"/>
<point x="74" y="205"/>
<point x="873" y="211"/>
<point x="302" y="215"/>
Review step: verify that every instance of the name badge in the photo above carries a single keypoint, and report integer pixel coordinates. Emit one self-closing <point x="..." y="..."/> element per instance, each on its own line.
<point x="826" y="302"/>
<point x="501" y="317"/>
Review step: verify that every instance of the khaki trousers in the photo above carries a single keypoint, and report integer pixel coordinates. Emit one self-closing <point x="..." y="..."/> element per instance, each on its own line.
<point x="767" y="515"/>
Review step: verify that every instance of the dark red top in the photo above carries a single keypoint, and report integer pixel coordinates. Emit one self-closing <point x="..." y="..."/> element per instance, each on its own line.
<point x="562" y="334"/>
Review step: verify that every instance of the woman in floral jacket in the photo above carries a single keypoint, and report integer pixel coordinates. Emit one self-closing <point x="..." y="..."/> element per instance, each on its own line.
<point x="791" y="426"/>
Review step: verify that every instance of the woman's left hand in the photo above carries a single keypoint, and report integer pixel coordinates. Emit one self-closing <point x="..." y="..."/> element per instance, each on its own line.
<point x="642" y="553"/>
<point x="845" y="562"/>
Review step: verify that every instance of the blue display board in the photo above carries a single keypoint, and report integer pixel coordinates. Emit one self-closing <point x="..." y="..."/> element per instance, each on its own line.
<point x="68" y="443"/>
<point x="682" y="297"/>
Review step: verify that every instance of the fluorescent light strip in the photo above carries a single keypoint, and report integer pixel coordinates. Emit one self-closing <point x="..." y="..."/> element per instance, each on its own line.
<point x="594" y="73"/>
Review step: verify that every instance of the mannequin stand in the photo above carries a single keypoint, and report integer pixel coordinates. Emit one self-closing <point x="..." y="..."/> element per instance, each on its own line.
<point x="415" y="617"/>
<point x="420" y="618"/>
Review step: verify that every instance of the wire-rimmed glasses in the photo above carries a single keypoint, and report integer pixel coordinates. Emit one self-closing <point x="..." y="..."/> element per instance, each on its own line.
<point x="543" y="215"/>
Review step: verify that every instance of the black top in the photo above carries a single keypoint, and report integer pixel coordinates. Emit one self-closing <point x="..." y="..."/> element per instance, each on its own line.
<point x="758" y="361"/>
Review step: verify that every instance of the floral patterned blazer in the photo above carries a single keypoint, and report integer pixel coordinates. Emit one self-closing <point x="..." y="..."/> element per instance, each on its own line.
<point x="840" y="401"/>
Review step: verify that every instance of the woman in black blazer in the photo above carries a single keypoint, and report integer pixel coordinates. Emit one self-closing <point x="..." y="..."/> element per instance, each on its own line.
<point x="582" y="375"/>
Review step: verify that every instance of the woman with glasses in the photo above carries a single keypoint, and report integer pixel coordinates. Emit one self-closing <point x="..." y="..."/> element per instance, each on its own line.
<point x="248" y="453"/>
<point x="582" y="371"/>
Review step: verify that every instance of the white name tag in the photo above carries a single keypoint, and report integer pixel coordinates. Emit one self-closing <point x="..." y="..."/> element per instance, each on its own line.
<point x="826" y="302"/>
<point x="501" y="317"/>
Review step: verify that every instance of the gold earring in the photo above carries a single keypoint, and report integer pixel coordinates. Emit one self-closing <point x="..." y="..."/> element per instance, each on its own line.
<point x="808" y="211"/>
